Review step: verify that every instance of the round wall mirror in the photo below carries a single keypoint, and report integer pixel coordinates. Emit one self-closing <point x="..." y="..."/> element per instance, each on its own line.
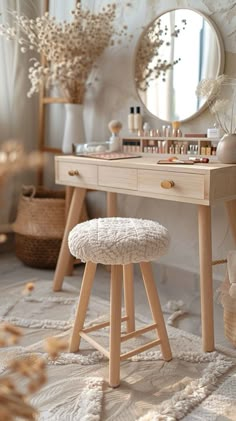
<point x="175" y="52"/>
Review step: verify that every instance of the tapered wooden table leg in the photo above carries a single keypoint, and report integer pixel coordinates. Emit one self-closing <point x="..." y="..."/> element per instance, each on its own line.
<point x="64" y="255"/>
<point x="127" y="271"/>
<point x="111" y="211"/>
<point x="111" y="204"/>
<point x="68" y="198"/>
<point x="206" y="287"/>
<point x="231" y="210"/>
<point x="83" y="217"/>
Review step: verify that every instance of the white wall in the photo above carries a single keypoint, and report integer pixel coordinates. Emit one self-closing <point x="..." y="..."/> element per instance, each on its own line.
<point x="115" y="93"/>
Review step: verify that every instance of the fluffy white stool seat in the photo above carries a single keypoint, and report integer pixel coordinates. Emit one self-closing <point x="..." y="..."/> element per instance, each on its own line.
<point x="118" y="241"/>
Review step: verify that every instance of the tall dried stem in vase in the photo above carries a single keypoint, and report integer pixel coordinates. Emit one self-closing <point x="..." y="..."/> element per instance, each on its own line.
<point x="220" y="94"/>
<point x="70" y="49"/>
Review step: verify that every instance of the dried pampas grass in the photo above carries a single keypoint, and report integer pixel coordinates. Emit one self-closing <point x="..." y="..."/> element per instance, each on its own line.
<point x="24" y="375"/>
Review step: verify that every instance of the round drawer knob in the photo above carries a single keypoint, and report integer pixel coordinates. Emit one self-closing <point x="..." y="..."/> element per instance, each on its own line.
<point x="167" y="184"/>
<point x="73" y="172"/>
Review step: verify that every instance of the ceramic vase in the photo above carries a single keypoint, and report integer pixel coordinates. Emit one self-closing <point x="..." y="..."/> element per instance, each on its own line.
<point x="226" y="149"/>
<point x="114" y="143"/>
<point x="74" y="127"/>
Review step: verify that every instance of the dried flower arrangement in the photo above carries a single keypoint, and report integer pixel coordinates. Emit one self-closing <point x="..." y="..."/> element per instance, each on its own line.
<point x="217" y="93"/>
<point x="149" y="65"/>
<point x="24" y="375"/>
<point x="71" y="49"/>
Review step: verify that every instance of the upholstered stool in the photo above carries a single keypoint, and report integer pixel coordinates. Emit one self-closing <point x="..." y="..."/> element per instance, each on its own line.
<point x="119" y="242"/>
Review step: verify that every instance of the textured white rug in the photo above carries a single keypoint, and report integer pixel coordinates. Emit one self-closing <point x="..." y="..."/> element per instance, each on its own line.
<point x="193" y="386"/>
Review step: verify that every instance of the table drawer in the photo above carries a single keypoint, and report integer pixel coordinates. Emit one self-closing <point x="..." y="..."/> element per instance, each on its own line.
<point x="180" y="184"/>
<point x="125" y="178"/>
<point x="75" y="174"/>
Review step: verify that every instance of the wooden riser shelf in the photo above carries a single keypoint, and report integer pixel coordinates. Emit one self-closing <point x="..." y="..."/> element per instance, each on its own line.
<point x="171" y="145"/>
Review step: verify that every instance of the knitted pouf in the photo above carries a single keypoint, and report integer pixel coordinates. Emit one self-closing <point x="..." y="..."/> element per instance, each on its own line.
<point x="118" y="241"/>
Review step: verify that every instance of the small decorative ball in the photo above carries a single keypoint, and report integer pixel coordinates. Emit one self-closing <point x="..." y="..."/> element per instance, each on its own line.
<point x="114" y="126"/>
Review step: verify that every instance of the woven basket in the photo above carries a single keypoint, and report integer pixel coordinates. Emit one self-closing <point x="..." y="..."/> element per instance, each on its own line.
<point x="230" y="325"/>
<point x="39" y="227"/>
<point x="229" y="306"/>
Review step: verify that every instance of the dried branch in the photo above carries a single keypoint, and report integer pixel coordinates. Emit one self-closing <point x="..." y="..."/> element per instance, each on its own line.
<point x="214" y="90"/>
<point x="71" y="49"/>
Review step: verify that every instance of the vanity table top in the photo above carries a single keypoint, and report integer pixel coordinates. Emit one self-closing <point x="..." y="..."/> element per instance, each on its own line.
<point x="198" y="183"/>
<point x="149" y="162"/>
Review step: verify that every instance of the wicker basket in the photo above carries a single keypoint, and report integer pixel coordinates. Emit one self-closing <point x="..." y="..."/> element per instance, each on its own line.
<point x="230" y="326"/>
<point x="229" y="306"/>
<point x="39" y="227"/>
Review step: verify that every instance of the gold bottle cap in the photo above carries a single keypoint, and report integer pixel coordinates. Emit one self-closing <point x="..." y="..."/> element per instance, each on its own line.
<point x="175" y="124"/>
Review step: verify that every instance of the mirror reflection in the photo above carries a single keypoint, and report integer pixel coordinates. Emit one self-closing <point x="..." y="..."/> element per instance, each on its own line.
<point x="175" y="52"/>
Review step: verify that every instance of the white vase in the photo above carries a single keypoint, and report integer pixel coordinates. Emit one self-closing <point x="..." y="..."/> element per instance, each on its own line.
<point x="74" y="127"/>
<point x="114" y="143"/>
<point x="226" y="149"/>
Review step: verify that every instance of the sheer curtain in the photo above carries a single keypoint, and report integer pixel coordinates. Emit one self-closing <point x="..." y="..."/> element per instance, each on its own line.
<point x="18" y="114"/>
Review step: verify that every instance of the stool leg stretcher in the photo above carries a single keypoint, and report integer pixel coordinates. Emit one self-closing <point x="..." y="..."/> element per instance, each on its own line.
<point x="114" y="353"/>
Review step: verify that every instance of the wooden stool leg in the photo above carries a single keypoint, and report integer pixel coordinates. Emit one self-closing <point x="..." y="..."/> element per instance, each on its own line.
<point x="156" y="310"/>
<point x="115" y="325"/>
<point x="87" y="283"/>
<point x="128" y="277"/>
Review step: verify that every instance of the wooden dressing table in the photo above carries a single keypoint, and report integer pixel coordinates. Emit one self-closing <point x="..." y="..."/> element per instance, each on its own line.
<point x="199" y="184"/>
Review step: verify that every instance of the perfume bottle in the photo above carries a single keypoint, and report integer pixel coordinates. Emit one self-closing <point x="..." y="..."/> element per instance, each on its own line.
<point x="175" y="128"/>
<point x="131" y="120"/>
<point x="146" y="129"/>
<point x="137" y="119"/>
